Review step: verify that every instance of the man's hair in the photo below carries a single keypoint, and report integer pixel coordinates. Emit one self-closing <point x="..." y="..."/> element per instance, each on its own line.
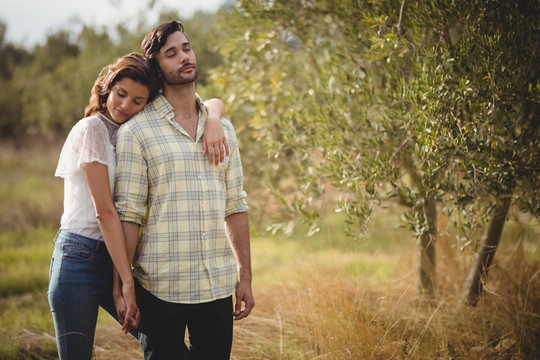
<point x="156" y="38"/>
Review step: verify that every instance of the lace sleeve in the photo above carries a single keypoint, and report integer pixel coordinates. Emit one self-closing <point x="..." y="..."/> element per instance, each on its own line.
<point x="87" y="142"/>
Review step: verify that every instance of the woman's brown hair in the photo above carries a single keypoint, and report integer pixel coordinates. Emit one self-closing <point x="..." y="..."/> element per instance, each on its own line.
<point x="133" y="66"/>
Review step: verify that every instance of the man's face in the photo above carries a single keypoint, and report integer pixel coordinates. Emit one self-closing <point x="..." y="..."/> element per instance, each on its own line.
<point x="177" y="60"/>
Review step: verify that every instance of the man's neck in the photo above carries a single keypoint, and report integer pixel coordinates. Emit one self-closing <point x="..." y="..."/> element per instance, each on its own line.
<point x="184" y="102"/>
<point x="182" y="98"/>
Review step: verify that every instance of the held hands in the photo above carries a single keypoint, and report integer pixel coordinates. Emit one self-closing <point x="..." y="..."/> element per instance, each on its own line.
<point x="214" y="141"/>
<point x="244" y="294"/>
<point x="126" y="306"/>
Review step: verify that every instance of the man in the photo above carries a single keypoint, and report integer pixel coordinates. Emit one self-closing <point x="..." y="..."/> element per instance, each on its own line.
<point x="194" y="249"/>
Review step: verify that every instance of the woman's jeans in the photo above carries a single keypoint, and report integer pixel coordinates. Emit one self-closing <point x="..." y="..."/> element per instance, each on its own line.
<point x="80" y="281"/>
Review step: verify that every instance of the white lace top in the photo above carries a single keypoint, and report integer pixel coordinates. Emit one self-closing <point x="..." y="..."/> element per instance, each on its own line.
<point x="91" y="139"/>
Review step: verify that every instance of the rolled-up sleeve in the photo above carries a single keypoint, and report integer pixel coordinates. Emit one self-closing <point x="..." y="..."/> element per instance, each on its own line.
<point x="131" y="185"/>
<point x="234" y="179"/>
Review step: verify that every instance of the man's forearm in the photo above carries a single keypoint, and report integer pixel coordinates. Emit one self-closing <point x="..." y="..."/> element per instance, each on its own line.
<point x="237" y="226"/>
<point x="131" y="234"/>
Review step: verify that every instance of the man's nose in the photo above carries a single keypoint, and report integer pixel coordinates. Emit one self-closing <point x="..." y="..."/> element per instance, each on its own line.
<point x="184" y="57"/>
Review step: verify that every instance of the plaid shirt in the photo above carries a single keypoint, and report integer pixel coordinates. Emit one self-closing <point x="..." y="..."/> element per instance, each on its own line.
<point x="166" y="184"/>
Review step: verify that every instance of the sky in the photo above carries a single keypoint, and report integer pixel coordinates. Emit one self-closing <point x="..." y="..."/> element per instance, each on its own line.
<point x="29" y="21"/>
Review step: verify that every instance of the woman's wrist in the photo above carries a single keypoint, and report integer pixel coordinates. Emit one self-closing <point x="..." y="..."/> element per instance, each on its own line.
<point x="128" y="282"/>
<point x="213" y="119"/>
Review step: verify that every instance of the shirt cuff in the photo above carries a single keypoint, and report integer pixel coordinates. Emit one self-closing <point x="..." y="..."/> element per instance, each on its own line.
<point x="237" y="206"/>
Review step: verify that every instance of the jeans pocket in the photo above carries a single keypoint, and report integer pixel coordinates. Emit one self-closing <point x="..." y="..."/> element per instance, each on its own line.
<point x="74" y="251"/>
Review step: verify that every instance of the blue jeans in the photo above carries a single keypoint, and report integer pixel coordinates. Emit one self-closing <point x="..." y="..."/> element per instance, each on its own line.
<point x="80" y="281"/>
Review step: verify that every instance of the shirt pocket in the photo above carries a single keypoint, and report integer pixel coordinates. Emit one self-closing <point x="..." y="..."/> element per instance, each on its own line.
<point x="214" y="190"/>
<point x="217" y="179"/>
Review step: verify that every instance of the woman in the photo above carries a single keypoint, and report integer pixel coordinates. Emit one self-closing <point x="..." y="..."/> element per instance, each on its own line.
<point x="91" y="241"/>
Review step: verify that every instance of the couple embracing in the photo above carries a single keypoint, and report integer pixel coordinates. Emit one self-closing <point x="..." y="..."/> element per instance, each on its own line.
<point x="155" y="227"/>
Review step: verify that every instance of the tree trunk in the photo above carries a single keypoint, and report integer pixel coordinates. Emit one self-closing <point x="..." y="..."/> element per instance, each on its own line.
<point x="426" y="251"/>
<point x="474" y="285"/>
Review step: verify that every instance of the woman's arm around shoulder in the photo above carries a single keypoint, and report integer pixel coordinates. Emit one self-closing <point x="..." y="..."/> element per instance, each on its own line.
<point x="214" y="139"/>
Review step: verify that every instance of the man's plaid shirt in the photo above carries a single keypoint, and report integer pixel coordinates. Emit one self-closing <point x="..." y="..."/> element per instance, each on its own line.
<point x="166" y="184"/>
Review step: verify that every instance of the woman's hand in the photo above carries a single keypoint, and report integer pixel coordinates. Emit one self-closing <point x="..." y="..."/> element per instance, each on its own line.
<point x="119" y="303"/>
<point x="214" y="141"/>
<point x="132" y="314"/>
<point x="126" y="307"/>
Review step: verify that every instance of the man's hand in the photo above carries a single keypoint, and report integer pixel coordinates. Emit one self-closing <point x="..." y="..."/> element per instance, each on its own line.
<point x="128" y="316"/>
<point x="244" y="295"/>
<point x="132" y="315"/>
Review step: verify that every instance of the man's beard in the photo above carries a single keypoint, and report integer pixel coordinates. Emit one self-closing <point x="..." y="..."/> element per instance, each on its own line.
<point x="177" y="78"/>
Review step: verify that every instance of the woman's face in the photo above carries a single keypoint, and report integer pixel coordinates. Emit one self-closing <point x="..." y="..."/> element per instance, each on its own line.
<point x="127" y="98"/>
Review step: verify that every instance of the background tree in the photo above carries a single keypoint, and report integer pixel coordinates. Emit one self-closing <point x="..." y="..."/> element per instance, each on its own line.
<point x="11" y="56"/>
<point x="383" y="100"/>
<point x="423" y="103"/>
<point x="322" y="101"/>
<point x="496" y="104"/>
<point x="45" y="90"/>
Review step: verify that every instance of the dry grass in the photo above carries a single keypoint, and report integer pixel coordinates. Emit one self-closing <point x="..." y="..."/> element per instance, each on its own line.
<point x="323" y="297"/>
<point x="327" y="315"/>
<point x="314" y="308"/>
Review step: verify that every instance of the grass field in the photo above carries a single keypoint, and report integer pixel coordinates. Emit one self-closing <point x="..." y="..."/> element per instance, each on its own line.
<point x="322" y="297"/>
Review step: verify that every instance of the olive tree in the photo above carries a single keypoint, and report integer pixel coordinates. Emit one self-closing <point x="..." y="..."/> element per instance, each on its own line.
<point x="496" y="83"/>
<point x="315" y="86"/>
<point x="424" y="102"/>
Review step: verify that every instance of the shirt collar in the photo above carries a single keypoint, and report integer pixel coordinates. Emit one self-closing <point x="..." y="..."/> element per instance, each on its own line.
<point x="163" y="107"/>
<point x="165" y="111"/>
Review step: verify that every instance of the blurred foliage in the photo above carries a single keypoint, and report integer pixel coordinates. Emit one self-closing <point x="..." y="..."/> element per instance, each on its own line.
<point x="44" y="90"/>
<point x="358" y="100"/>
<point x="419" y="101"/>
